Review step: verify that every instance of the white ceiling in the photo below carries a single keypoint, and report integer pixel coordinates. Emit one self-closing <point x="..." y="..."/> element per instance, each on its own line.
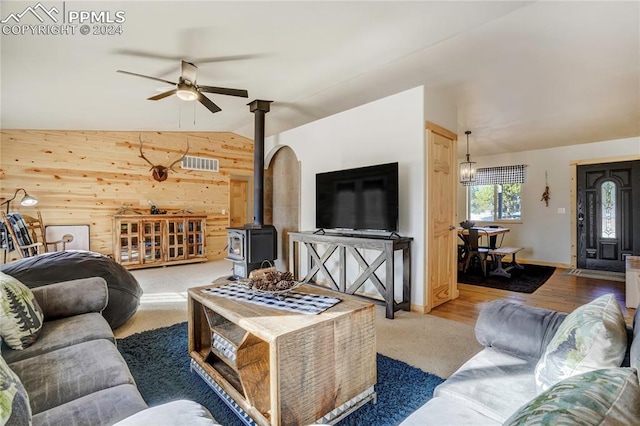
<point x="524" y="75"/>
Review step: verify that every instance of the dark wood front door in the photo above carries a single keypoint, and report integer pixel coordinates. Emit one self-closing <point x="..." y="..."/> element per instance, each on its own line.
<point x="608" y="208"/>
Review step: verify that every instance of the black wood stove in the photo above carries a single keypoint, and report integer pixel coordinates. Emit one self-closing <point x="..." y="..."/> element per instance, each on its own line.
<point x="255" y="244"/>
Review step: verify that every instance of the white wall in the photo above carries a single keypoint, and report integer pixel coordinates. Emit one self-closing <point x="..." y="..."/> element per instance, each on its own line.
<point x="387" y="130"/>
<point x="544" y="233"/>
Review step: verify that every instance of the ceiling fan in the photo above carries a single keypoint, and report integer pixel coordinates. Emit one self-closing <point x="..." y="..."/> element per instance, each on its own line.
<point x="187" y="89"/>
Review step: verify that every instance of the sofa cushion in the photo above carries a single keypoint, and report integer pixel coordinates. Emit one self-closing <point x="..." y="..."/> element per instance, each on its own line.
<point x="600" y="397"/>
<point x="14" y="400"/>
<point x="493" y="382"/>
<point x="519" y="329"/>
<point x="20" y="316"/>
<point x="60" y="376"/>
<point x="442" y="411"/>
<point x="591" y="337"/>
<point x="69" y="298"/>
<point x="104" y="407"/>
<point x="175" y="413"/>
<point x="62" y="333"/>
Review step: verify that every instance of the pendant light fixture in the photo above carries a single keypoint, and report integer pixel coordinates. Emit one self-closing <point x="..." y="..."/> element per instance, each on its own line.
<point x="467" y="168"/>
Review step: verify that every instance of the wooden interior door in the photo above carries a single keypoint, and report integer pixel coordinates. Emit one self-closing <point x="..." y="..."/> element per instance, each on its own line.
<point x="238" y="202"/>
<point x="608" y="209"/>
<point x="441" y="261"/>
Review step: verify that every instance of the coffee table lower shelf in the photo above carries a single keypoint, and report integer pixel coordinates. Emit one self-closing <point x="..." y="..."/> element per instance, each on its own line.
<point x="330" y="418"/>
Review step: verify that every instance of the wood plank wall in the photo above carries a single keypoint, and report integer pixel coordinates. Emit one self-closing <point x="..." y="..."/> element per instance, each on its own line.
<point x="84" y="177"/>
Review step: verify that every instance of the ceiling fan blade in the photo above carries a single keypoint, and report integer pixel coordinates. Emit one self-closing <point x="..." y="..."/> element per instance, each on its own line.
<point x="207" y="102"/>
<point x="189" y="71"/>
<point x="163" y="95"/>
<point x="149" y="77"/>
<point x="143" y="54"/>
<point x="225" y="58"/>
<point x="224" y="91"/>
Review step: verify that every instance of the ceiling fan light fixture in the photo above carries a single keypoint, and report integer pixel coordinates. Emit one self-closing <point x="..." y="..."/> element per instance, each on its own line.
<point x="468" y="167"/>
<point x="187" y="93"/>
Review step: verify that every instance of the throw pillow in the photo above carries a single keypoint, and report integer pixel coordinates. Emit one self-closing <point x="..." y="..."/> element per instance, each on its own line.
<point x="592" y="337"/>
<point x="14" y="401"/>
<point x="600" y="397"/>
<point x="20" y="315"/>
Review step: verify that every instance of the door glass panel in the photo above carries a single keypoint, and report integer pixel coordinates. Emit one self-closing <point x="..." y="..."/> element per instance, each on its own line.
<point x="608" y="197"/>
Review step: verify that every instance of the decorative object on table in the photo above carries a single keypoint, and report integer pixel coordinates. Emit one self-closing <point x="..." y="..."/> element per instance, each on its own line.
<point x="545" y="194"/>
<point x="270" y="281"/>
<point x="155" y="210"/>
<point x="468" y="167"/>
<point x="159" y="172"/>
<point x="467" y="224"/>
<point x="126" y="209"/>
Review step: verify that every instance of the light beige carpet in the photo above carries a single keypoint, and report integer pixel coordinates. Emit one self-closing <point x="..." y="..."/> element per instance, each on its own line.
<point x="433" y="344"/>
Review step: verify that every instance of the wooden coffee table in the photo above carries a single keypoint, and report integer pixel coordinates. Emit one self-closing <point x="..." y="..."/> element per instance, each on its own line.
<point x="274" y="367"/>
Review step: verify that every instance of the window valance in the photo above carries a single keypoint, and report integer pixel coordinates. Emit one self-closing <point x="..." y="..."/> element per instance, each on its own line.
<point x="499" y="175"/>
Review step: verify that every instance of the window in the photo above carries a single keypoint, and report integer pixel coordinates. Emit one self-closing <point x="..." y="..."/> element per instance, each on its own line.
<point x="608" y="199"/>
<point x="495" y="202"/>
<point x="496" y="194"/>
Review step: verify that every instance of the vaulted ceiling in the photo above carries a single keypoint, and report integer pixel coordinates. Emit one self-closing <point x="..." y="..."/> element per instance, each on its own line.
<point x="524" y="75"/>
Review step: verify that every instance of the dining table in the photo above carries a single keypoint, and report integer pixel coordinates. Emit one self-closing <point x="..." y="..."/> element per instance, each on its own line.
<point x="490" y="232"/>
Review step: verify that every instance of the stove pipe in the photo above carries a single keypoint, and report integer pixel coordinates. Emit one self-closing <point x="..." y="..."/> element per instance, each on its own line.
<point x="259" y="108"/>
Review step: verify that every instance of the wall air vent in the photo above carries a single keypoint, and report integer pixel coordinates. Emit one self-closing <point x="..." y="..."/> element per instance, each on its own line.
<point x="190" y="162"/>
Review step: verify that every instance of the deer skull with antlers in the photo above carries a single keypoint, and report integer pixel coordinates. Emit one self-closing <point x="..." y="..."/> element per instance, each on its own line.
<point x="160" y="173"/>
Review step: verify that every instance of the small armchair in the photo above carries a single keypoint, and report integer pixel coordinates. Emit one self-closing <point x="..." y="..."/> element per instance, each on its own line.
<point x="17" y="236"/>
<point x="23" y="231"/>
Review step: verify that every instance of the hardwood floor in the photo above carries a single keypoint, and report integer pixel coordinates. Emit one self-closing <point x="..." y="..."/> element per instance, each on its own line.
<point x="561" y="293"/>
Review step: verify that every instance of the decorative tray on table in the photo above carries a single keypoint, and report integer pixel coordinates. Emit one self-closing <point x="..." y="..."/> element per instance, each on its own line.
<point x="271" y="282"/>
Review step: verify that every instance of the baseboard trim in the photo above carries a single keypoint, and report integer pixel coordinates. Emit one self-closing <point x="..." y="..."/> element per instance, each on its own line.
<point x="543" y="263"/>
<point x="419" y="309"/>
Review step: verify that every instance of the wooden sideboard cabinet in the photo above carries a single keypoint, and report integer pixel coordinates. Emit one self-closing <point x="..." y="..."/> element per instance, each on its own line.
<point x="143" y="241"/>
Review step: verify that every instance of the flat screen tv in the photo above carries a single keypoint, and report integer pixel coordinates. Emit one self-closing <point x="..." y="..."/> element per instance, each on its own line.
<point x="365" y="198"/>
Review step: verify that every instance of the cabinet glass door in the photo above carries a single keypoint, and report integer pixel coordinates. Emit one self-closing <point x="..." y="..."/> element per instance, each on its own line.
<point x="195" y="238"/>
<point x="176" y="247"/>
<point x="152" y="239"/>
<point x="129" y="243"/>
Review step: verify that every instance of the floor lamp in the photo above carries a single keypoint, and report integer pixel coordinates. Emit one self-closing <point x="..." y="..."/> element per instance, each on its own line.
<point x="26" y="201"/>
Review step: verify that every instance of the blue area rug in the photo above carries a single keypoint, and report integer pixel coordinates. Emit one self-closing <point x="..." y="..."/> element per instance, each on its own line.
<point x="159" y="362"/>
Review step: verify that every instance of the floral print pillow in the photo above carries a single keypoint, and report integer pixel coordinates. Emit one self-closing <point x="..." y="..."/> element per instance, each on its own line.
<point x="600" y="397"/>
<point x="592" y="337"/>
<point x="14" y="401"/>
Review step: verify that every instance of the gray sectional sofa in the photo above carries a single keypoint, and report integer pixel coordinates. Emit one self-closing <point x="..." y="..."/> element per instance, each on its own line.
<point x="499" y="384"/>
<point x="73" y="373"/>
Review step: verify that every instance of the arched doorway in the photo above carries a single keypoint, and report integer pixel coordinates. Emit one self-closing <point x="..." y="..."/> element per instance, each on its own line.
<point x="282" y="198"/>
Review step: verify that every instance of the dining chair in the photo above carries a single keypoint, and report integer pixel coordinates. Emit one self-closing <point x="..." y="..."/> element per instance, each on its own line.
<point x="493" y="239"/>
<point x="476" y="251"/>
